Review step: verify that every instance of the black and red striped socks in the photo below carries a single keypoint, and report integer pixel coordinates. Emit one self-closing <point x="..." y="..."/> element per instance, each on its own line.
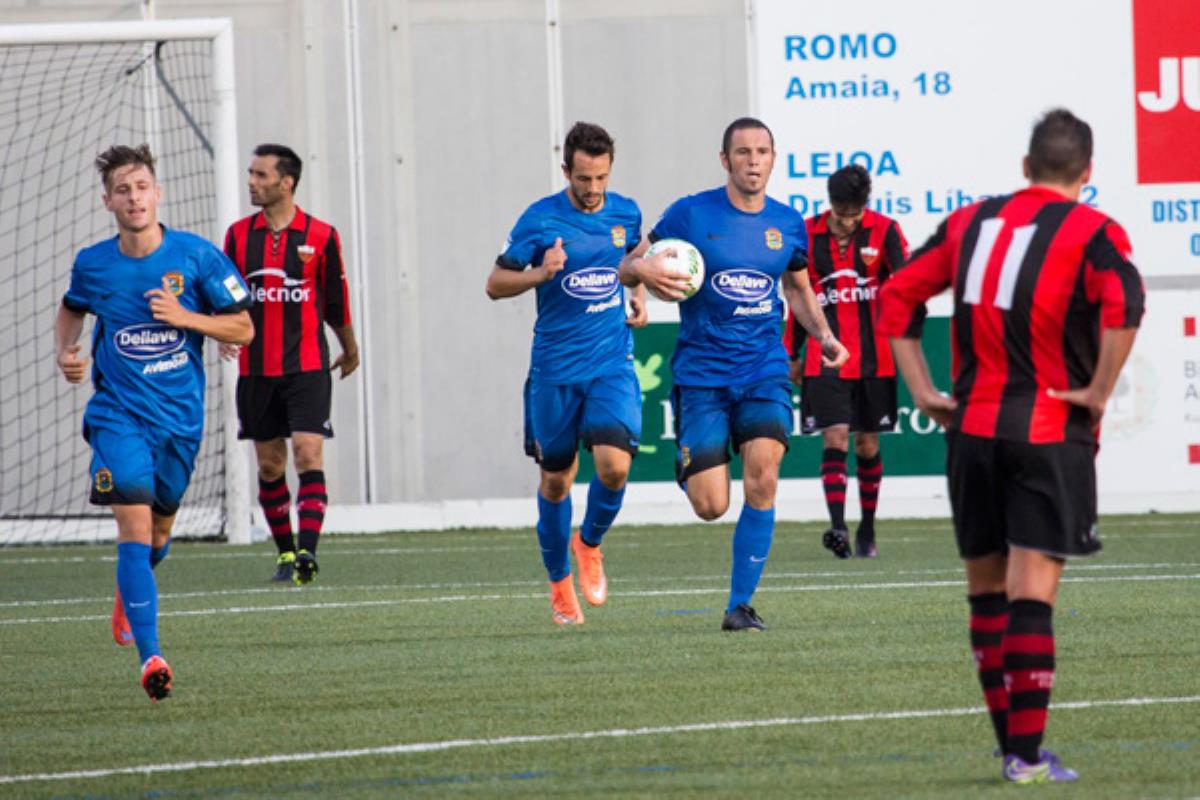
<point x="277" y="507"/>
<point x="1028" y="675"/>
<point x="869" y="472"/>
<point x="311" y="500"/>
<point x="833" y="481"/>
<point x="989" y="620"/>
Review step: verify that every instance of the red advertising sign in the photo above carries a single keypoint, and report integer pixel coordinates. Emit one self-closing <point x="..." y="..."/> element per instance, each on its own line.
<point x="1166" y="60"/>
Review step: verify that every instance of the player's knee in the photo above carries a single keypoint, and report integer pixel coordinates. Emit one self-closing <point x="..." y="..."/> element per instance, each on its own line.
<point x="709" y="508"/>
<point x="760" y="486"/>
<point x="555" y="487"/>
<point x="613" y="477"/>
<point x="866" y="448"/>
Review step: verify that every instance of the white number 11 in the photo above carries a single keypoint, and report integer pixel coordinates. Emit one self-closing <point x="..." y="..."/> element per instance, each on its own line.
<point x="989" y="231"/>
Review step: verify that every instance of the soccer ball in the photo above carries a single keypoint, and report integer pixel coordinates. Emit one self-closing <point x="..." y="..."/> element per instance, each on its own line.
<point x="687" y="260"/>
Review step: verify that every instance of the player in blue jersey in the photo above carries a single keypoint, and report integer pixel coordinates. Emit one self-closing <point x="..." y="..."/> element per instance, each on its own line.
<point x="156" y="293"/>
<point x="581" y="385"/>
<point x="730" y="369"/>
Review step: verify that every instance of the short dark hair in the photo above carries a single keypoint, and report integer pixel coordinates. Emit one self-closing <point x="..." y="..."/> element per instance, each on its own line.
<point x="120" y="155"/>
<point x="591" y="139"/>
<point x="741" y="124"/>
<point x="1060" y="148"/>
<point x="288" y="162"/>
<point x="850" y="186"/>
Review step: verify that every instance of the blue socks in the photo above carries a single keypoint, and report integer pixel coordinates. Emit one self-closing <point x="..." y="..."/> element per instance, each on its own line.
<point x="751" y="544"/>
<point x="602" y="507"/>
<point x="554" y="535"/>
<point x="157" y="554"/>
<point x="139" y="595"/>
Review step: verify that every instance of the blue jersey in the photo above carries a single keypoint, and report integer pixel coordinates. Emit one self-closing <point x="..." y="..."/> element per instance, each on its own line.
<point x="144" y="368"/>
<point x="729" y="331"/>
<point x="580" y="333"/>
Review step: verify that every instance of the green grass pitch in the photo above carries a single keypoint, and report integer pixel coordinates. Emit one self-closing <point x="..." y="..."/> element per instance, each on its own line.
<point x="426" y="665"/>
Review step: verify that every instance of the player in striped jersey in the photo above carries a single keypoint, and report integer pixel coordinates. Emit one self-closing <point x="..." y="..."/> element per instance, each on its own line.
<point x="1046" y="307"/>
<point x="853" y="251"/>
<point x="292" y="262"/>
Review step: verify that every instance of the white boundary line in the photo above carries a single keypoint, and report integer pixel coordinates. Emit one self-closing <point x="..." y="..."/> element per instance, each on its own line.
<point x="460" y="598"/>
<point x="611" y="733"/>
<point x="533" y="584"/>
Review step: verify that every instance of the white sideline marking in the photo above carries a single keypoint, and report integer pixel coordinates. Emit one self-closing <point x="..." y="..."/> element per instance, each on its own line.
<point x="459" y="598"/>
<point x="611" y="733"/>
<point x="386" y="587"/>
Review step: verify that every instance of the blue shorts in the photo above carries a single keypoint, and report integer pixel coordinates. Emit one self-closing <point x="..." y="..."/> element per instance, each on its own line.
<point x="135" y="465"/>
<point x="605" y="410"/>
<point x="708" y="420"/>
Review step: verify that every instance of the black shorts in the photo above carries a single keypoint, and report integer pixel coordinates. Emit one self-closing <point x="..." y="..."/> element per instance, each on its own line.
<point x="867" y="405"/>
<point x="276" y="407"/>
<point x="1037" y="496"/>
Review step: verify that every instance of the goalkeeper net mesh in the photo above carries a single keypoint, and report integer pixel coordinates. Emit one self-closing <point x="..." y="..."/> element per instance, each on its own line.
<point x="60" y="106"/>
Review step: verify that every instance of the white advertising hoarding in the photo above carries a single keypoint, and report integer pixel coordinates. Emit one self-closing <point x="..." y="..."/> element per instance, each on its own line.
<point x="937" y="99"/>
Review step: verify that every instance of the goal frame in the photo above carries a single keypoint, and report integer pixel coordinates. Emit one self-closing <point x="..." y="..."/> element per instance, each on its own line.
<point x="219" y="33"/>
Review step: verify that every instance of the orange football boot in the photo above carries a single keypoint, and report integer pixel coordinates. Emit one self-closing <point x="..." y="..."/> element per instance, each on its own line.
<point x="122" y="634"/>
<point x="565" y="603"/>
<point x="156" y="678"/>
<point x="592" y="582"/>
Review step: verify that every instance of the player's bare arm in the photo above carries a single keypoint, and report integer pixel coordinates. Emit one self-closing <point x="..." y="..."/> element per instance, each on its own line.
<point x="638" y="315"/>
<point x="348" y="361"/>
<point x="504" y="283"/>
<point x="653" y="272"/>
<point x="1115" y="344"/>
<point x="68" y="325"/>
<point x="910" y="358"/>
<point x="803" y="303"/>
<point x="229" y="328"/>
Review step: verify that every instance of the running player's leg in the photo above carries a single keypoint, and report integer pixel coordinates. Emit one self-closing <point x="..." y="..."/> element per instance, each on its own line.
<point x="552" y="415"/>
<point x="702" y="447"/>
<point x="308" y="398"/>
<point x="760" y="426"/>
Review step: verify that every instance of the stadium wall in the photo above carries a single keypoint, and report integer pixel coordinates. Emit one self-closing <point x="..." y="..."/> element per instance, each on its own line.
<point x="462" y="107"/>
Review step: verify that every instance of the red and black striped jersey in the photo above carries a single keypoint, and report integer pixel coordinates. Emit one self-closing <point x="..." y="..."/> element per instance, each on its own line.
<point x="846" y="284"/>
<point x="297" y="283"/>
<point x="1036" y="277"/>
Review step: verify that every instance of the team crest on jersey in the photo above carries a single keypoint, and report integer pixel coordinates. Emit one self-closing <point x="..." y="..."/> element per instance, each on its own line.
<point x="774" y="239"/>
<point x="306" y="252"/>
<point x="869" y="255"/>
<point x="103" y="480"/>
<point x="618" y="236"/>
<point x="685" y="456"/>
<point x="174" y="282"/>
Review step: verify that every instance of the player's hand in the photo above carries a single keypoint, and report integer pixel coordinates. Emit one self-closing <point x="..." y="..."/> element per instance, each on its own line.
<point x="347" y="362"/>
<point x="638" y="315"/>
<point x="795" y="370"/>
<point x="938" y="407"/>
<point x="833" y="352"/>
<point x="553" y="261"/>
<point x="229" y="352"/>
<point x="662" y="281"/>
<point x="1084" y="398"/>
<point x="74" y="368"/>
<point x="165" y="307"/>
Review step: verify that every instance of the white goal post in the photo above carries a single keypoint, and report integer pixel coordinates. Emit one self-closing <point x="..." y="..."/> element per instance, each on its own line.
<point x="215" y="146"/>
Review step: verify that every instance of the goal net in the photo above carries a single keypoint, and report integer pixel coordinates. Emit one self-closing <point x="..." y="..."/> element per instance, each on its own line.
<point x="66" y="95"/>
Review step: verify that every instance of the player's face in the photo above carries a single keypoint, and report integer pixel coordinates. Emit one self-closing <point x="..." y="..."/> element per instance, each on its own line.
<point x="844" y="219"/>
<point x="132" y="197"/>
<point x="587" y="180"/>
<point x="749" y="160"/>
<point x="266" y="184"/>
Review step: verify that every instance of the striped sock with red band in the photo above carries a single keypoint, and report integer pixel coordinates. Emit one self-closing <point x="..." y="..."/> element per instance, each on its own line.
<point x="989" y="620"/>
<point x="1028" y="674"/>
<point x="311" y="500"/>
